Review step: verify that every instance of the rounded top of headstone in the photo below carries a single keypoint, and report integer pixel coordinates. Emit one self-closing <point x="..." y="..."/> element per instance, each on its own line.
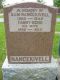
<point x="18" y="2"/>
<point x="22" y="1"/>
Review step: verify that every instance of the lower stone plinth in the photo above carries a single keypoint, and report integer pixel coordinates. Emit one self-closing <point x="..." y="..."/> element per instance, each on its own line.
<point x="43" y="71"/>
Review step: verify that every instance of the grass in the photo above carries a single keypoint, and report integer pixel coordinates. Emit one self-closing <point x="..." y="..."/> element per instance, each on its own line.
<point x="57" y="27"/>
<point x="2" y="40"/>
<point x="2" y="16"/>
<point x="1" y="10"/>
<point x="2" y="47"/>
<point x="55" y="45"/>
<point x="58" y="16"/>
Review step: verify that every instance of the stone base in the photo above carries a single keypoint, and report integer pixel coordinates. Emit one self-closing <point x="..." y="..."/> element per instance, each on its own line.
<point x="43" y="71"/>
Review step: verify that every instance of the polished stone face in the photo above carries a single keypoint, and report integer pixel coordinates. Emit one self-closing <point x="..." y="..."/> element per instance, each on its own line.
<point x="29" y="32"/>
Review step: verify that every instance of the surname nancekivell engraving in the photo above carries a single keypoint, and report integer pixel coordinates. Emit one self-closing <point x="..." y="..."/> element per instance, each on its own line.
<point x="29" y="31"/>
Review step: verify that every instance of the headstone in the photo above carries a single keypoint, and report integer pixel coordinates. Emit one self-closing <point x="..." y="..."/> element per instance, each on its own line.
<point x="29" y="30"/>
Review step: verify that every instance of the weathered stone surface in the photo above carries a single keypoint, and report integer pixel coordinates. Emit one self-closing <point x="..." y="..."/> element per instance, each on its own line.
<point x="46" y="71"/>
